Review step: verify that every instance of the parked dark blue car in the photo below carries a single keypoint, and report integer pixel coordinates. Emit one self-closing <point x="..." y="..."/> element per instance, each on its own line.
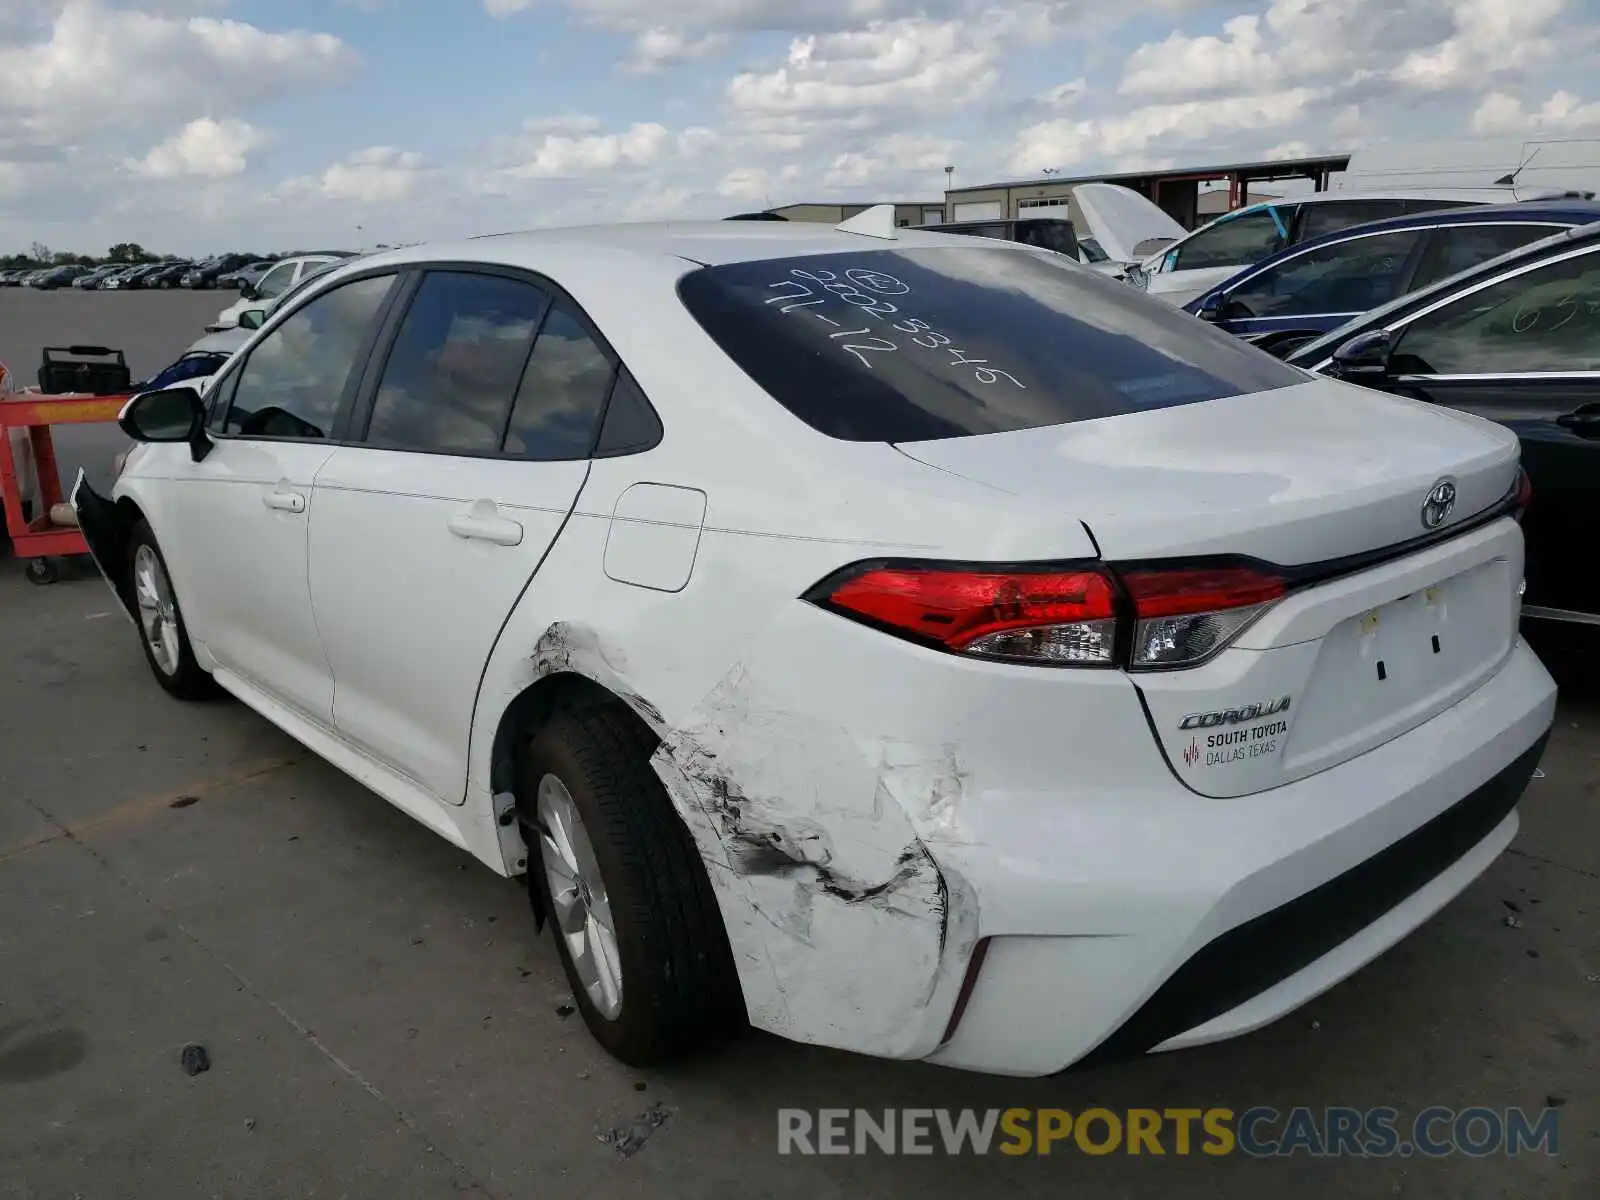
<point x="1299" y="293"/>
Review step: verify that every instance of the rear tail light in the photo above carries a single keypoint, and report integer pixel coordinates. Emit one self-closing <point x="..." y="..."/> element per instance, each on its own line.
<point x="1522" y="494"/>
<point x="1183" y="617"/>
<point x="1143" y="619"/>
<point x="1049" y="617"/>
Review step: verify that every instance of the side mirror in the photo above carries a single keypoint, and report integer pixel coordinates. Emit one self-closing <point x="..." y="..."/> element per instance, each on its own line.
<point x="247" y="291"/>
<point x="174" y="414"/>
<point x="251" y="318"/>
<point x="1364" y="358"/>
<point x="1213" y="308"/>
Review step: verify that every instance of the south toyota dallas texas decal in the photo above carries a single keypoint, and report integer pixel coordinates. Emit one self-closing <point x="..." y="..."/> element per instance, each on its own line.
<point x="1235" y="745"/>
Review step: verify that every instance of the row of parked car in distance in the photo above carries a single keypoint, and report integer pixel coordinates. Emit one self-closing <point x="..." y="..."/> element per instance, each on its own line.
<point x="235" y="271"/>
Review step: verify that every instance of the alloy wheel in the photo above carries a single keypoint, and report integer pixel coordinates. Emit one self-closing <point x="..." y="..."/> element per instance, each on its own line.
<point x="158" y="612"/>
<point x="578" y="896"/>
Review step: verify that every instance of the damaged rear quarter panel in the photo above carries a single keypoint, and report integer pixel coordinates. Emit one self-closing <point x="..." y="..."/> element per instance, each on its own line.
<point x="866" y="937"/>
<point x="845" y="930"/>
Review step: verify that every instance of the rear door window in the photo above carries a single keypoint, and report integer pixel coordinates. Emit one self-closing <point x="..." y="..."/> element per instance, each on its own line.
<point x="452" y="375"/>
<point x="1455" y="248"/>
<point x="908" y="345"/>
<point x="1543" y="321"/>
<point x="1334" y="215"/>
<point x="1345" y="278"/>
<point x="563" y="391"/>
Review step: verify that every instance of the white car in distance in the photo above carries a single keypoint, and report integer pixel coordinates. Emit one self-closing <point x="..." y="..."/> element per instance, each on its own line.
<point x="858" y="631"/>
<point x="284" y="276"/>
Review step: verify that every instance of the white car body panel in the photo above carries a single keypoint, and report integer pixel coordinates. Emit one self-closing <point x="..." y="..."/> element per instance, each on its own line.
<point x="868" y="809"/>
<point x="431" y="523"/>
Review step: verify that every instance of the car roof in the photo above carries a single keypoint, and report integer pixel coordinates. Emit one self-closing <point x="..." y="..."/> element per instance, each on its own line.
<point x="708" y="243"/>
<point x="1489" y="195"/>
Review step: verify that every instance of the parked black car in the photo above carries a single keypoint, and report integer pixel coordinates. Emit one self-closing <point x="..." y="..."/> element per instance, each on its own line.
<point x="165" y="275"/>
<point x="92" y="281"/>
<point x="1516" y="340"/>
<point x="1293" y="296"/>
<point x="205" y="274"/>
<point x="60" y="277"/>
<point x="129" y="277"/>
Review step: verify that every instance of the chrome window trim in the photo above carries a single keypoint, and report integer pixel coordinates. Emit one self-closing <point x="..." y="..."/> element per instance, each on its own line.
<point x="1560" y="614"/>
<point x="1498" y="376"/>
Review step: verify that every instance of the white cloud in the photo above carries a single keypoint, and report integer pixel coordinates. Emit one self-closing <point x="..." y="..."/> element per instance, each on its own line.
<point x="575" y="148"/>
<point x="1354" y="45"/>
<point x="887" y="65"/>
<point x="655" y="49"/>
<point x="101" y="69"/>
<point x="1501" y="113"/>
<point x="205" y="148"/>
<point x="375" y="175"/>
<point x="1065" y="142"/>
<point x="1491" y="36"/>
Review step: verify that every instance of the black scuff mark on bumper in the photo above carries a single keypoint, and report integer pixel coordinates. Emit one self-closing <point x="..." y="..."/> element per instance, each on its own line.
<point x="802" y="850"/>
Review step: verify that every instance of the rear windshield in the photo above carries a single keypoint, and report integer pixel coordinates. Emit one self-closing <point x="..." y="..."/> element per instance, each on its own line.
<point x="912" y="345"/>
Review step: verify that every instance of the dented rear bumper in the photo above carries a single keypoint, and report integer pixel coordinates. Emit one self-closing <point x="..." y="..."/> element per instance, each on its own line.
<point x="871" y="841"/>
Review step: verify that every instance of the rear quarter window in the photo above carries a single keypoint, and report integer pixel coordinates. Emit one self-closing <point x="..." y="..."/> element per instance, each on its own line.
<point x="919" y="344"/>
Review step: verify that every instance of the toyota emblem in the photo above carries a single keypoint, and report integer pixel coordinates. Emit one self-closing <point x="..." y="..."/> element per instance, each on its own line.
<point x="1441" y="502"/>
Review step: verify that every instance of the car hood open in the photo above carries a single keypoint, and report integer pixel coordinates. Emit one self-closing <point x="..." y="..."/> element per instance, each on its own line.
<point x="1124" y="222"/>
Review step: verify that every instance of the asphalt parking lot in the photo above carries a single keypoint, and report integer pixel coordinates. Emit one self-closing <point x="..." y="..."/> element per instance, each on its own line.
<point x="382" y="1020"/>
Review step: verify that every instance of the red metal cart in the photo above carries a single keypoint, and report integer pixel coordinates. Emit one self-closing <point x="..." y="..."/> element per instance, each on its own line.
<point x="40" y="540"/>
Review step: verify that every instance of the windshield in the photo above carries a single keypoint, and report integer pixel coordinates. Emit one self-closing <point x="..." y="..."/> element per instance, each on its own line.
<point x="1091" y="250"/>
<point x="910" y="345"/>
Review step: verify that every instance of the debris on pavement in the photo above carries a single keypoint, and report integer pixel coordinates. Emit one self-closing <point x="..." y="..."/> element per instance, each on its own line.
<point x="195" y="1060"/>
<point x="628" y="1139"/>
<point x="1513" y="923"/>
<point x="565" y="1010"/>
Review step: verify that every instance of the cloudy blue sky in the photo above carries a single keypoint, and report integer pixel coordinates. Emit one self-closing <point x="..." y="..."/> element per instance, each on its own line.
<point x="194" y="125"/>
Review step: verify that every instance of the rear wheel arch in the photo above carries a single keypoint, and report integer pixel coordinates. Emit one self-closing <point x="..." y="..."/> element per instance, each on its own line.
<point x="532" y="708"/>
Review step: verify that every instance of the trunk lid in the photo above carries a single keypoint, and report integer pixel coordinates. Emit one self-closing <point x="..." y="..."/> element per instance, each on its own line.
<point x="1295" y="477"/>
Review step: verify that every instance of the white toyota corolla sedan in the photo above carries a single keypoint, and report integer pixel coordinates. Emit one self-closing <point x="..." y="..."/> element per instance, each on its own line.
<point x="900" y="642"/>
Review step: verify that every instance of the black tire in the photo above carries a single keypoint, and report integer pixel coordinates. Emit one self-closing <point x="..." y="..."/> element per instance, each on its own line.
<point x="188" y="681"/>
<point x="680" y="990"/>
<point x="41" y="572"/>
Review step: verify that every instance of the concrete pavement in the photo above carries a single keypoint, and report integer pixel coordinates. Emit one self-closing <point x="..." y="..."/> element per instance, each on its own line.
<point x="383" y="1021"/>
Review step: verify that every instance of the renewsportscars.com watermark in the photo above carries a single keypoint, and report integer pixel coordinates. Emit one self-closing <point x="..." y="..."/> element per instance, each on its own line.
<point x="1258" y="1132"/>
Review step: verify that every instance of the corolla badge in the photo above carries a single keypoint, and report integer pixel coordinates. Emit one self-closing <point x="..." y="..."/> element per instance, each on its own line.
<point x="1441" y="502"/>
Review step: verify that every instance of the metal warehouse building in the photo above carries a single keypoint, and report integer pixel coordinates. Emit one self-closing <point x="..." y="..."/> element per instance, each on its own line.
<point x="1179" y="192"/>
